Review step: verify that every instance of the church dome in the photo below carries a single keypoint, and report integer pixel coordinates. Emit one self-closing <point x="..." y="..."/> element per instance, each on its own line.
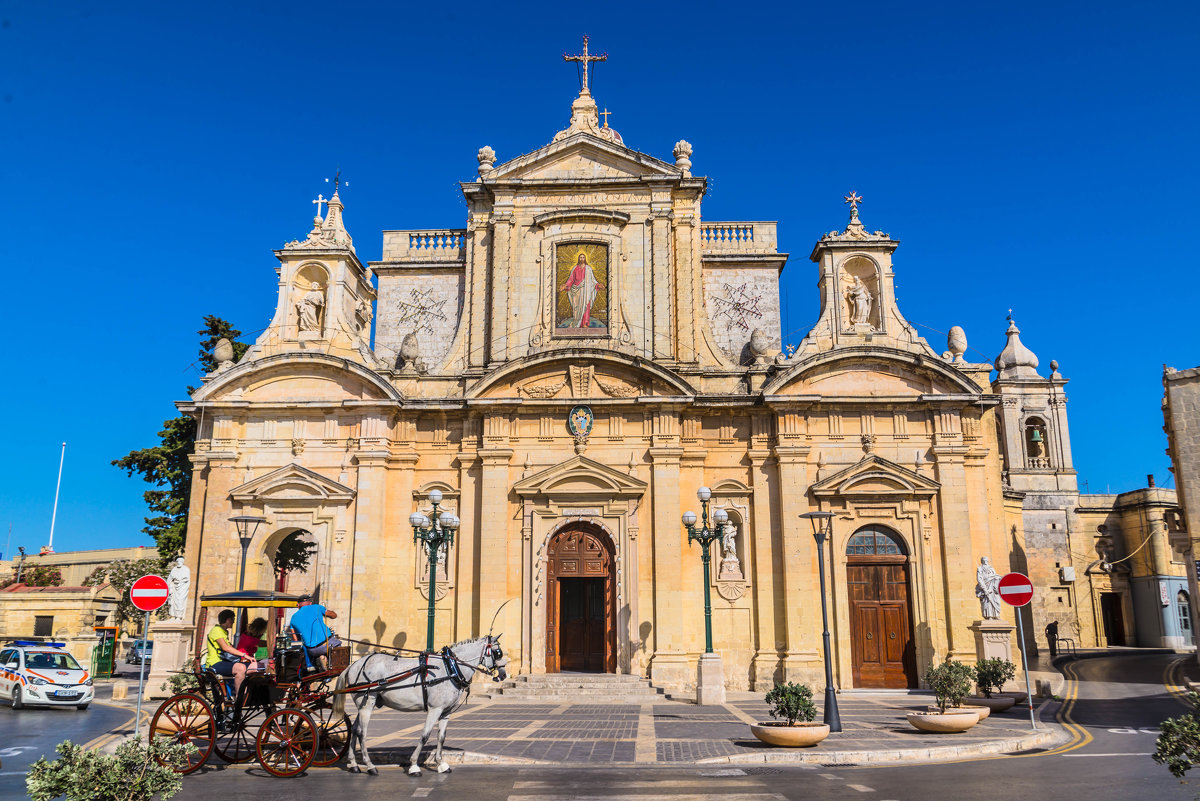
<point x="1016" y="360"/>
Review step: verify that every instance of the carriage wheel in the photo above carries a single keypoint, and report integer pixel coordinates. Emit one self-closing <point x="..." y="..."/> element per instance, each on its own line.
<point x="333" y="733"/>
<point x="286" y="743"/>
<point x="186" y="718"/>
<point x="237" y="743"/>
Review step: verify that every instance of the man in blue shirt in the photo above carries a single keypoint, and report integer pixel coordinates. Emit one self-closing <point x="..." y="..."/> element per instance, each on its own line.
<point x="308" y="626"/>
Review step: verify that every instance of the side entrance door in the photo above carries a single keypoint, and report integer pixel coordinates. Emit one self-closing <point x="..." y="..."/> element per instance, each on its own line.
<point x="881" y="642"/>
<point x="582" y="624"/>
<point x="581" y="613"/>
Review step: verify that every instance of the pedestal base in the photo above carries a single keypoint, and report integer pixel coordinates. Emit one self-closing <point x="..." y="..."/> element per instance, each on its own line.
<point x="172" y="648"/>
<point x="993" y="639"/>
<point x="710" y="680"/>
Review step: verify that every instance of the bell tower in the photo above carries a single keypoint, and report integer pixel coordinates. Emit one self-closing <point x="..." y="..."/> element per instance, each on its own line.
<point x="326" y="296"/>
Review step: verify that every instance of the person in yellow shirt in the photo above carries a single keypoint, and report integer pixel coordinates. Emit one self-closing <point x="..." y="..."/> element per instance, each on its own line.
<point x="221" y="656"/>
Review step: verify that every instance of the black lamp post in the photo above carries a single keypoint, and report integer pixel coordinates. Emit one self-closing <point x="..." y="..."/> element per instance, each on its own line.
<point x="822" y="524"/>
<point x="247" y="525"/>
<point x="705" y="536"/>
<point x="20" y="564"/>
<point x="435" y="534"/>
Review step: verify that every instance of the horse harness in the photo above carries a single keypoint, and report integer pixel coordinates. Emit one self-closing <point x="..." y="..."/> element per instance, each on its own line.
<point x="423" y="669"/>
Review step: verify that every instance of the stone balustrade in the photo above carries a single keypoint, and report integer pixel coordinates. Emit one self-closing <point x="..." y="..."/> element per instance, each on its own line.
<point x="738" y="237"/>
<point x="1039" y="463"/>
<point x="447" y="244"/>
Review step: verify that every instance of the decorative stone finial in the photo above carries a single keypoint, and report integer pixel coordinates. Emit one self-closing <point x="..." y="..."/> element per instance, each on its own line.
<point x="760" y="346"/>
<point x="1054" y="369"/>
<point x="487" y="160"/>
<point x="1016" y="360"/>
<point x="329" y="232"/>
<point x="956" y="344"/>
<point x="223" y="354"/>
<point x="683" y="157"/>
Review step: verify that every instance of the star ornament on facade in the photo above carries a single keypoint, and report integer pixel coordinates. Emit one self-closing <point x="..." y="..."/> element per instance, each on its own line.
<point x="853" y="199"/>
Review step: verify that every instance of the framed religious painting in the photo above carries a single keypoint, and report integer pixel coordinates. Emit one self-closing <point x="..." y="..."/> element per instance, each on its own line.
<point x="581" y="289"/>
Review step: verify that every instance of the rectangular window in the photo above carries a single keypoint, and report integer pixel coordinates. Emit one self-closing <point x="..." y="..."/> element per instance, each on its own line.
<point x="43" y="625"/>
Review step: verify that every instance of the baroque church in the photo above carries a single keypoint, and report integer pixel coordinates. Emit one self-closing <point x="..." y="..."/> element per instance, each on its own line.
<point x="568" y="370"/>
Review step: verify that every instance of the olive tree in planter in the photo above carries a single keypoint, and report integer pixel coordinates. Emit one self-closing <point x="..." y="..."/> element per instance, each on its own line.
<point x="951" y="682"/>
<point x="792" y="707"/>
<point x="990" y="676"/>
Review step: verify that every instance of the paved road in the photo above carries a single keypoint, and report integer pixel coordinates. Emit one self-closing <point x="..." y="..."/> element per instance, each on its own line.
<point x="27" y="734"/>
<point x="1119" y="702"/>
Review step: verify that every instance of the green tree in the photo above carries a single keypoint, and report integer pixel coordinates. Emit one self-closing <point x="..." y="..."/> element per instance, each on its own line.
<point x="136" y="772"/>
<point x="35" y="575"/>
<point x="121" y="574"/>
<point x="1178" y="744"/>
<point x="166" y="464"/>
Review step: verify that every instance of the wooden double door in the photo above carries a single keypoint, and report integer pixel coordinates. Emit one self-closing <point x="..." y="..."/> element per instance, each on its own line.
<point x="882" y="646"/>
<point x="581" y="613"/>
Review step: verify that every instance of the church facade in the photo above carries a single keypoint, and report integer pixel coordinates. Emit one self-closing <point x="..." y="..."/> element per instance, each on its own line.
<point x="568" y="370"/>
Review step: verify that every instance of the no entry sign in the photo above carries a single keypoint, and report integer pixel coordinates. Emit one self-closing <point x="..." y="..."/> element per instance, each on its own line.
<point x="1016" y="589"/>
<point x="149" y="592"/>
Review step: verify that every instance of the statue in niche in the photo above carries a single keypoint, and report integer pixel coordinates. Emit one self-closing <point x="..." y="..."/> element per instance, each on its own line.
<point x="859" y="297"/>
<point x="987" y="589"/>
<point x="730" y="566"/>
<point x="178" y="582"/>
<point x="309" y="308"/>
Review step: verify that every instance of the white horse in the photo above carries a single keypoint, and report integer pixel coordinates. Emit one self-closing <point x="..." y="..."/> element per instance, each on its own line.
<point x="446" y="681"/>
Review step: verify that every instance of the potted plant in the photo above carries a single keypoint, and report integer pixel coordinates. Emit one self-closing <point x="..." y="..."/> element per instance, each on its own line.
<point x="990" y="676"/>
<point x="950" y="682"/>
<point x="792" y="707"/>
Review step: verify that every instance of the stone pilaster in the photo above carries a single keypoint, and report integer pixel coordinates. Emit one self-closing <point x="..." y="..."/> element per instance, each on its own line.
<point x="497" y="581"/>
<point x="500" y="321"/>
<point x="668" y="666"/>
<point x="767" y="569"/>
<point x="800" y="603"/>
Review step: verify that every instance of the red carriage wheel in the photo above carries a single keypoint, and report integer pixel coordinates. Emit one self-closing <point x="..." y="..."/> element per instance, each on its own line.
<point x="186" y="718"/>
<point x="237" y="743"/>
<point x="333" y="733"/>
<point x="286" y="743"/>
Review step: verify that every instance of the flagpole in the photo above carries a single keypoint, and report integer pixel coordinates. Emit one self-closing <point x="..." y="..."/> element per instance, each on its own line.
<point x="57" y="486"/>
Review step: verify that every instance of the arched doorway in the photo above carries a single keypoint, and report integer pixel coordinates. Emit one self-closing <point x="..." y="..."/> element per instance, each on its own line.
<point x="581" y="632"/>
<point x="882" y="644"/>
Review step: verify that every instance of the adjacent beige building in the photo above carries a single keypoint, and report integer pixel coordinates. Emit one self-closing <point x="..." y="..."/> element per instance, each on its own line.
<point x="568" y="369"/>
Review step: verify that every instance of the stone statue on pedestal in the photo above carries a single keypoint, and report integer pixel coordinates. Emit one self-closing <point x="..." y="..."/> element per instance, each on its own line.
<point x="178" y="582"/>
<point x="987" y="589"/>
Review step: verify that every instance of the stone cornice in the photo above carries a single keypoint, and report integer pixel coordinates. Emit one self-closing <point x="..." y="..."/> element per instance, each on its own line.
<point x="567" y="215"/>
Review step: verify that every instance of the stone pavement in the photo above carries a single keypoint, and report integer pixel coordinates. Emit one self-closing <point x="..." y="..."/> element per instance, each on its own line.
<point x="675" y="732"/>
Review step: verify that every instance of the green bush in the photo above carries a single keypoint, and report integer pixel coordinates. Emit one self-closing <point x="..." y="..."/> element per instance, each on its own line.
<point x="1178" y="744"/>
<point x="950" y="681"/>
<point x="133" y="773"/>
<point x="792" y="702"/>
<point x="990" y="675"/>
<point x="182" y="682"/>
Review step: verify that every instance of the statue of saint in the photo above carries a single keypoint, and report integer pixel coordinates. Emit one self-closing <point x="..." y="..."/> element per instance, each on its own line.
<point x="581" y="287"/>
<point x="178" y="581"/>
<point x="860" y="302"/>
<point x="730" y="564"/>
<point x="309" y="308"/>
<point x="987" y="589"/>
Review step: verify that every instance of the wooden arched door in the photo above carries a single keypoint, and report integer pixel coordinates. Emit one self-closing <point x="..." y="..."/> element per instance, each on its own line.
<point x="882" y="647"/>
<point x="581" y="610"/>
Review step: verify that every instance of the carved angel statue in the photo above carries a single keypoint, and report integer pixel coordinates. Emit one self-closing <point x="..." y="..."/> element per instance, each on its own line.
<point x="730" y="565"/>
<point x="860" y="302"/>
<point x="987" y="589"/>
<point x="309" y="308"/>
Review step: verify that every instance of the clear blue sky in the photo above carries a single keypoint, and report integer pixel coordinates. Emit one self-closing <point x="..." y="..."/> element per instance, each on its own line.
<point x="1035" y="156"/>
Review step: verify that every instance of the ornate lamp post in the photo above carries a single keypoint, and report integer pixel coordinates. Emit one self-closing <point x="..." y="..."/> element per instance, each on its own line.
<point x="822" y="525"/>
<point x="245" y="534"/>
<point x="434" y="534"/>
<point x="705" y="536"/>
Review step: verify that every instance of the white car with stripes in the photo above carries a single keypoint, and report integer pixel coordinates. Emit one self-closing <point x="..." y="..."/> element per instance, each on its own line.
<point x="44" y="674"/>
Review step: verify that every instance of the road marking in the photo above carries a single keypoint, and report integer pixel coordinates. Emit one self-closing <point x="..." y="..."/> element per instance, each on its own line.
<point x="1147" y="753"/>
<point x="685" y="797"/>
<point x="862" y="788"/>
<point x="729" y="772"/>
<point x="633" y="784"/>
<point x="831" y="776"/>
<point x="421" y="792"/>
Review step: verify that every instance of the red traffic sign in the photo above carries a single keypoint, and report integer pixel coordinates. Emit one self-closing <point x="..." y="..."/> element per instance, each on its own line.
<point x="149" y="592"/>
<point x="1016" y="589"/>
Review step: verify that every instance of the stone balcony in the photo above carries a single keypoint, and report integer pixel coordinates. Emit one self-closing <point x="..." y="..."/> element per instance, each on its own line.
<point x="425" y="246"/>
<point x="738" y="238"/>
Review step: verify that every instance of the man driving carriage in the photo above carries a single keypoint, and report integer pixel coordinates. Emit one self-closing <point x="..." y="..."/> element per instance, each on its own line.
<point x="308" y="626"/>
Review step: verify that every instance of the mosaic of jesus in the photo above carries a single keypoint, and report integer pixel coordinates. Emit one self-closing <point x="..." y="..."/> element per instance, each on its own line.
<point x="581" y="279"/>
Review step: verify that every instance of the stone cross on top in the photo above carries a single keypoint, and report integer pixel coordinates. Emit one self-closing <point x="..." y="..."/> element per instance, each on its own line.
<point x="853" y="199"/>
<point x="319" y="201"/>
<point x="585" y="58"/>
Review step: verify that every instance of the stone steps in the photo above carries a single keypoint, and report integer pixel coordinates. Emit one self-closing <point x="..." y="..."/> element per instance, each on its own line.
<point x="579" y="688"/>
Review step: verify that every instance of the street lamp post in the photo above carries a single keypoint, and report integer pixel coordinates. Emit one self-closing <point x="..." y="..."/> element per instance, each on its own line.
<point x="434" y="534"/>
<point x="245" y="535"/>
<point x="705" y="536"/>
<point x="822" y="524"/>
<point x="20" y="564"/>
<point x="710" y="674"/>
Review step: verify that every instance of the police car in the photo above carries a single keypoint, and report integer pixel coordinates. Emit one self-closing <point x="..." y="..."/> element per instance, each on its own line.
<point x="43" y="673"/>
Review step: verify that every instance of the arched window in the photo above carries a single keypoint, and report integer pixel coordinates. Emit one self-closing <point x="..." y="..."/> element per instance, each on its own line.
<point x="1184" y="610"/>
<point x="873" y="541"/>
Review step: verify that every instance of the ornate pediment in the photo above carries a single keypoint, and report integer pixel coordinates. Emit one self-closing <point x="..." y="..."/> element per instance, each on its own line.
<point x="582" y="156"/>
<point x="580" y="477"/>
<point x="875" y="476"/>
<point x="579" y="375"/>
<point x="292" y="483"/>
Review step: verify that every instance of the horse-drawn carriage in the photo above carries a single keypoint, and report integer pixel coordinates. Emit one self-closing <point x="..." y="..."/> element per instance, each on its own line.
<point x="292" y="715"/>
<point x="282" y="715"/>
